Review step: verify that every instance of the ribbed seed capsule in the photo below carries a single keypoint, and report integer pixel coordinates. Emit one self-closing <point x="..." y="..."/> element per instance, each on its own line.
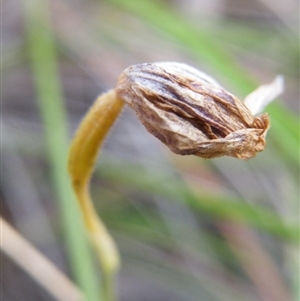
<point x="190" y="112"/>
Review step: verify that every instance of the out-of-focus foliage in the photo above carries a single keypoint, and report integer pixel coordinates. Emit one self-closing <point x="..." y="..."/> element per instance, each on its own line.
<point x="187" y="228"/>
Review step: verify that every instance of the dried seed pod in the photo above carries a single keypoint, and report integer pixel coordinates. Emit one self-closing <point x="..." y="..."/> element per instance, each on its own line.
<point x="190" y="112"/>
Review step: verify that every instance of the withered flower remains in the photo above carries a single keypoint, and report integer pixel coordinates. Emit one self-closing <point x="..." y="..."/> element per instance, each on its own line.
<point x="192" y="114"/>
<point x="184" y="108"/>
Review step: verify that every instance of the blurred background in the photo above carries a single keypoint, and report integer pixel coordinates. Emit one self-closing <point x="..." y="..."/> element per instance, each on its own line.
<point x="187" y="229"/>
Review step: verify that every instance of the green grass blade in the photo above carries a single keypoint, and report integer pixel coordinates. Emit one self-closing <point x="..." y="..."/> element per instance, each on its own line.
<point x="212" y="204"/>
<point x="44" y="66"/>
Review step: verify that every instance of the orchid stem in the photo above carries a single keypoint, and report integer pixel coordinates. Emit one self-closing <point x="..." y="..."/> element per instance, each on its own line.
<point x="82" y="158"/>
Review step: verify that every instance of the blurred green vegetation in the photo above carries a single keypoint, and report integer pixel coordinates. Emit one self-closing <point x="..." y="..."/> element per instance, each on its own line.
<point x="43" y="55"/>
<point x="187" y="228"/>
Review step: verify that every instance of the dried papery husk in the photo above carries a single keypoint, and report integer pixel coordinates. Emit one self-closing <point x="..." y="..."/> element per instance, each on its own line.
<point x="190" y="112"/>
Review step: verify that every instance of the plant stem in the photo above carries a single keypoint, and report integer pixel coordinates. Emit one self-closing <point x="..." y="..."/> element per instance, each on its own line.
<point x="44" y="272"/>
<point x="82" y="158"/>
<point x="43" y="55"/>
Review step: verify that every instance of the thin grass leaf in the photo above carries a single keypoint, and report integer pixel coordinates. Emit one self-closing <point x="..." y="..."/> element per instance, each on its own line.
<point x="43" y="56"/>
<point x="212" y="204"/>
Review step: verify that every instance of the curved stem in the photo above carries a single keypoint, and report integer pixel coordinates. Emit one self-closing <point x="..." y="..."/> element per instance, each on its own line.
<point x="82" y="158"/>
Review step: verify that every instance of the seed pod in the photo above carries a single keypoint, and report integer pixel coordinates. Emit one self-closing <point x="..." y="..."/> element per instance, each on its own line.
<point x="190" y="112"/>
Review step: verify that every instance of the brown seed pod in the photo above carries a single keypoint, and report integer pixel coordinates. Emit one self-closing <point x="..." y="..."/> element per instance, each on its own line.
<point x="190" y="112"/>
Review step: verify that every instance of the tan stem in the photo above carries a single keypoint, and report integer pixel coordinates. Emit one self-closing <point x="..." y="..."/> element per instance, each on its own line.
<point x="82" y="157"/>
<point x="43" y="271"/>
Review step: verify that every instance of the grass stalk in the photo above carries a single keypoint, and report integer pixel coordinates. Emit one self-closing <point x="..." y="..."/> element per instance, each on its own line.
<point x="42" y="271"/>
<point x="43" y="57"/>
